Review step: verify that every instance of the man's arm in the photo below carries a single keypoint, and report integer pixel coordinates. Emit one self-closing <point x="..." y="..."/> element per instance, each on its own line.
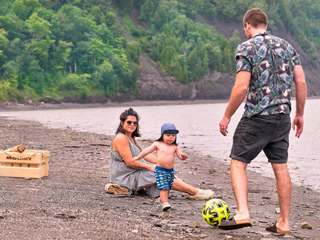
<point x="301" y="95"/>
<point x="238" y="93"/>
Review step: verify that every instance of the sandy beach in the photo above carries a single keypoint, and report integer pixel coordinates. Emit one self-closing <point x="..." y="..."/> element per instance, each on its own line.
<point x="71" y="202"/>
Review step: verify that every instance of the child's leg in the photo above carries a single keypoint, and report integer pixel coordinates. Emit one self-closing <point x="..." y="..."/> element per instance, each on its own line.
<point x="164" y="195"/>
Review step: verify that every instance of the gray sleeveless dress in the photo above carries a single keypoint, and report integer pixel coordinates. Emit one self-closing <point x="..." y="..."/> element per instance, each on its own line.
<point x="128" y="177"/>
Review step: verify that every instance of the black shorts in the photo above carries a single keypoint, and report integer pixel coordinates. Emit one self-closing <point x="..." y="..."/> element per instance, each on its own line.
<point x="269" y="133"/>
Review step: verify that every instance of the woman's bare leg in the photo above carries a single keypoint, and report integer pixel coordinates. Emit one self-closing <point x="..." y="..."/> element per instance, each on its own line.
<point x="149" y="185"/>
<point x="181" y="186"/>
<point x="178" y="185"/>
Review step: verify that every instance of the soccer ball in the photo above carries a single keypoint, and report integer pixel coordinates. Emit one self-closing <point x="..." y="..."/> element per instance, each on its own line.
<point x="215" y="211"/>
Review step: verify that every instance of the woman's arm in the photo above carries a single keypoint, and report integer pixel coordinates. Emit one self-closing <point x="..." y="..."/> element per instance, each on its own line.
<point x="180" y="154"/>
<point x="121" y="144"/>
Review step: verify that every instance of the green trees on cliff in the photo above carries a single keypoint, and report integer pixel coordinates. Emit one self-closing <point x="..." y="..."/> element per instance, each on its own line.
<point x="185" y="48"/>
<point x="92" y="47"/>
<point x="52" y="49"/>
<point x="301" y="18"/>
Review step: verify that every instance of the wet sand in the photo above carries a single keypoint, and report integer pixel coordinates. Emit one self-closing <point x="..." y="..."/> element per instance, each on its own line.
<point x="71" y="202"/>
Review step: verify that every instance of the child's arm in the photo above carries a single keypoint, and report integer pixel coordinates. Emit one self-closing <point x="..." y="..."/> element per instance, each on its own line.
<point x="180" y="154"/>
<point x="149" y="158"/>
<point x="145" y="152"/>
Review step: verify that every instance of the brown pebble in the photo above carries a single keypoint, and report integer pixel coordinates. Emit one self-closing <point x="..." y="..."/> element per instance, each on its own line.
<point x="306" y="225"/>
<point x="194" y="225"/>
<point x="144" y="235"/>
<point x="164" y="215"/>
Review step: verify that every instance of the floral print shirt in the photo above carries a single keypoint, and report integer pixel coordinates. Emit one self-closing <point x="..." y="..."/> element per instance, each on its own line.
<point x="271" y="61"/>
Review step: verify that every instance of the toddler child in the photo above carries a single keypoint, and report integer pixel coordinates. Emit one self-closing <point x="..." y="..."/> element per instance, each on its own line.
<point x="166" y="147"/>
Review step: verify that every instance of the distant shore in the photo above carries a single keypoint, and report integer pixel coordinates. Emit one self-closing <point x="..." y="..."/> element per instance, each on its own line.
<point x="14" y="106"/>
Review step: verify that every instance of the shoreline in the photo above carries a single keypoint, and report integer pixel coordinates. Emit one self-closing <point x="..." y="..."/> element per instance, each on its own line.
<point x="11" y="106"/>
<point x="71" y="202"/>
<point x="14" y="106"/>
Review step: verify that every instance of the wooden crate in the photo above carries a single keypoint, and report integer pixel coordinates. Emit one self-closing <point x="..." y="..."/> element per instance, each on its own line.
<point x="28" y="164"/>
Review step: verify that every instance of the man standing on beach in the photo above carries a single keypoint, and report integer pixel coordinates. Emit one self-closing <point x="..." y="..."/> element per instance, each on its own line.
<point x="266" y="68"/>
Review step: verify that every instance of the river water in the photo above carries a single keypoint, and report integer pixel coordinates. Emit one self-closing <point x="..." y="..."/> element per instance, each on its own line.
<point x="199" y="131"/>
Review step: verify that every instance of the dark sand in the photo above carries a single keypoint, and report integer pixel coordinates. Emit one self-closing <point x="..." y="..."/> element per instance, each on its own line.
<point x="71" y="202"/>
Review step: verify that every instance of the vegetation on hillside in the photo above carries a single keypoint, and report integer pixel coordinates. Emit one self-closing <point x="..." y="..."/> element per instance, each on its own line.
<point x="68" y="48"/>
<point x="187" y="50"/>
<point x="73" y="49"/>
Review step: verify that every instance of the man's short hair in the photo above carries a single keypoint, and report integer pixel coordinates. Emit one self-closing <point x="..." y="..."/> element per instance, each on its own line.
<point x="256" y="17"/>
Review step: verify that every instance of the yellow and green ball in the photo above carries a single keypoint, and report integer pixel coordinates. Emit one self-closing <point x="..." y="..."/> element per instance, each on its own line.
<point x="215" y="211"/>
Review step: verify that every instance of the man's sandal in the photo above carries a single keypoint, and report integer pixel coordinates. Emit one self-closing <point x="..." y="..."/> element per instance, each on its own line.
<point x="234" y="224"/>
<point x="273" y="228"/>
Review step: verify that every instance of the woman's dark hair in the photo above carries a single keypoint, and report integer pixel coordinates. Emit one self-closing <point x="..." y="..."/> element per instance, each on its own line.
<point x="123" y="117"/>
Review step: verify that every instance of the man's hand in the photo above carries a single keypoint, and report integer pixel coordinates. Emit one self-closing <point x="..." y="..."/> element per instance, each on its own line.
<point x="224" y="125"/>
<point x="134" y="159"/>
<point x="298" y="122"/>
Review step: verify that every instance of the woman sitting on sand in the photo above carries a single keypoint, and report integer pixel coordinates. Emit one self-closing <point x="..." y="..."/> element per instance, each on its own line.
<point x="127" y="176"/>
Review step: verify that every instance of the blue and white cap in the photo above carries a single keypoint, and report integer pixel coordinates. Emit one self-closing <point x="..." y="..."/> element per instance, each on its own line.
<point x="170" y="129"/>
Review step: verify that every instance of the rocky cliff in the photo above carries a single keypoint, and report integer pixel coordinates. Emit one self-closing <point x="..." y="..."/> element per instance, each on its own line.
<point x="154" y="86"/>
